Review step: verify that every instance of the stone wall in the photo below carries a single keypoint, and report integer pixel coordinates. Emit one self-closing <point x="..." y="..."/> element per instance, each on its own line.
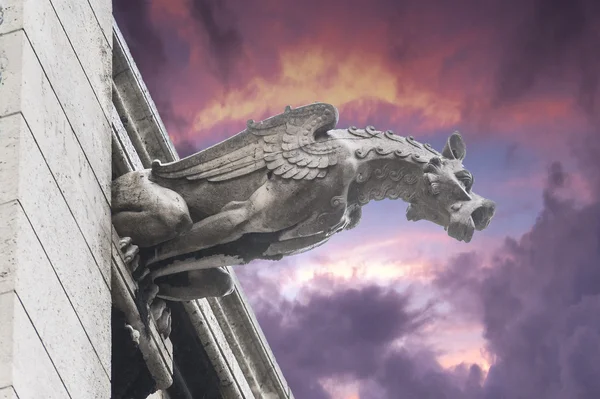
<point x="55" y="173"/>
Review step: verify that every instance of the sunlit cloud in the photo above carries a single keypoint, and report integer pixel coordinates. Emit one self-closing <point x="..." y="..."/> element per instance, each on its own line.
<point x="341" y="388"/>
<point x="476" y="355"/>
<point x="346" y="81"/>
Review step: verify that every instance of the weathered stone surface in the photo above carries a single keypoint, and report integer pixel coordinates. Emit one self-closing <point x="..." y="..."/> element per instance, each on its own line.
<point x="127" y="288"/>
<point x="73" y="264"/>
<point x="22" y="356"/>
<point x="10" y="150"/>
<point x="284" y="186"/>
<point x="232" y="380"/>
<point x="125" y="144"/>
<point x="12" y="16"/>
<point x="54" y="200"/>
<point x="90" y="44"/>
<point x="53" y="318"/>
<point x="66" y="75"/>
<point x="103" y="13"/>
<point x="11" y="65"/>
<point x="62" y="152"/>
<point x="8" y="393"/>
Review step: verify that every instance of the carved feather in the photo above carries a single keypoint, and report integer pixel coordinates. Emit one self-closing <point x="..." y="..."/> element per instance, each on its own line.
<point x="277" y="163"/>
<point x="290" y="173"/>
<point x="283" y="169"/>
<point x="312" y="174"/>
<point x="301" y="174"/>
<point x="239" y="172"/>
<point x="314" y="162"/>
<point x="284" y="144"/>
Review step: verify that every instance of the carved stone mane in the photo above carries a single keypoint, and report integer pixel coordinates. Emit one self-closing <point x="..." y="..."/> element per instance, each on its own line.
<point x="400" y="169"/>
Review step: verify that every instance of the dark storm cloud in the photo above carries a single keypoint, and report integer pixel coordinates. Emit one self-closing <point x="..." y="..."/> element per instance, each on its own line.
<point x="540" y="301"/>
<point x="147" y="48"/>
<point x="553" y="38"/>
<point x="406" y="376"/>
<point x="145" y="43"/>
<point x="225" y="41"/>
<point x="344" y="332"/>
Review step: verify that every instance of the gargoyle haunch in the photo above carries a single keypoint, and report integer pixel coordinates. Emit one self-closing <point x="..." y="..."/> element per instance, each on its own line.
<point x="283" y="186"/>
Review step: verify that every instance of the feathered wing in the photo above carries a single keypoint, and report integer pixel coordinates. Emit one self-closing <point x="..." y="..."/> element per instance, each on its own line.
<point x="284" y="144"/>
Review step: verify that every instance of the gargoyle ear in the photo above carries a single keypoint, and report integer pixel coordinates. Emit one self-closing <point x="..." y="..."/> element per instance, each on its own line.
<point x="455" y="147"/>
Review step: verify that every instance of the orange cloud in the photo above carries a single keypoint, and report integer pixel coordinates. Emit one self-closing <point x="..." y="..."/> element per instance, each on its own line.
<point x="311" y="74"/>
<point x="442" y="82"/>
<point x="458" y="342"/>
<point x="473" y="355"/>
<point x="341" y="388"/>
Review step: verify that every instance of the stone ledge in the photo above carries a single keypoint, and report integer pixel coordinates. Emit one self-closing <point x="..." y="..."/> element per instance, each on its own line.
<point x="136" y="107"/>
<point x="157" y="352"/>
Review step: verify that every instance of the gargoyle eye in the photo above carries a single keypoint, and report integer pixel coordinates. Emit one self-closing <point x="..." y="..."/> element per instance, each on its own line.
<point x="466" y="178"/>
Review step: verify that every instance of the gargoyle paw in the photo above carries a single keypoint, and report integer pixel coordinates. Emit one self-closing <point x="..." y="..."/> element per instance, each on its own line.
<point x="150" y="293"/>
<point x="135" y="334"/>
<point x="130" y="253"/>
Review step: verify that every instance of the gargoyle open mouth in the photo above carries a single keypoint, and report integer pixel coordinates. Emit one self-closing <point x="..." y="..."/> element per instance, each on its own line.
<point x="482" y="216"/>
<point x="462" y="228"/>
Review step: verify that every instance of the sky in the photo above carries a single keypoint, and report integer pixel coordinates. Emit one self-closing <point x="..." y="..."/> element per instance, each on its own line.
<point x="395" y="309"/>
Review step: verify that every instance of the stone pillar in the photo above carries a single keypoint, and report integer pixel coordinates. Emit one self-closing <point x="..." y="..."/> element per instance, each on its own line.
<point x="55" y="173"/>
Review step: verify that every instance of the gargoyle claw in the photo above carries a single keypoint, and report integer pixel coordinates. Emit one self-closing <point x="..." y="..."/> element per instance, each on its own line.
<point x="150" y="293"/>
<point x="130" y="253"/>
<point x="162" y="316"/>
<point x="135" y="334"/>
<point x="124" y="242"/>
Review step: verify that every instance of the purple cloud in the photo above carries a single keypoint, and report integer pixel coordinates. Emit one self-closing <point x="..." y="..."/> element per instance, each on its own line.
<point x="335" y="332"/>
<point x="539" y="301"/>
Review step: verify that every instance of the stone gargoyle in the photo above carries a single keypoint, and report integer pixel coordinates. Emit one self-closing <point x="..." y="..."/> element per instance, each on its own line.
<point x="281" y="187"/>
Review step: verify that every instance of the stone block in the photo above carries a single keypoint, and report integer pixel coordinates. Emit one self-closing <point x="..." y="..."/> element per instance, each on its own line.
<point x="66" y="160"/>
<point x="90" y="44"/>
<point x="67" y="78"/>
<point x="11" y="65"/>
<point x="65" y="247"/>
<point x="9" y="158"/>
<point x="8" y="393"/>
<point x="24" y="362"/>
<point x="103" y="10"/>
<point x="53" y="133"/>
<point x="11" y="13"/>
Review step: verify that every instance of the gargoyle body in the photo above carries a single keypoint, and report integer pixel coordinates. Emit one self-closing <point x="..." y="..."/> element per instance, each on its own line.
<point x="281" y="187"/>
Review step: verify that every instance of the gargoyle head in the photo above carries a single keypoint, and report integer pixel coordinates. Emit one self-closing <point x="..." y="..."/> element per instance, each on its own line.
<point x="446" y="198"/>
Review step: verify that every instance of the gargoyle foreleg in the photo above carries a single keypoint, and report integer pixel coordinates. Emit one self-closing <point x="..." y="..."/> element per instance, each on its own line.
<point x="265" y="211"/>
<point x="214" y="230"/>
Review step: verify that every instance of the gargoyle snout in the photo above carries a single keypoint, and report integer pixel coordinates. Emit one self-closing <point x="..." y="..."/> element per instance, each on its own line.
<point x="482" y="215"/>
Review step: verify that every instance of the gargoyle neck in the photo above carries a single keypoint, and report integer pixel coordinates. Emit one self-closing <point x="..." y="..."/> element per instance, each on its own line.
<point x="389" y="166"/>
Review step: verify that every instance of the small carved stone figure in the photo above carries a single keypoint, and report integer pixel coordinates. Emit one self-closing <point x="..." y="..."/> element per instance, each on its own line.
<point x="281" y="187"/>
